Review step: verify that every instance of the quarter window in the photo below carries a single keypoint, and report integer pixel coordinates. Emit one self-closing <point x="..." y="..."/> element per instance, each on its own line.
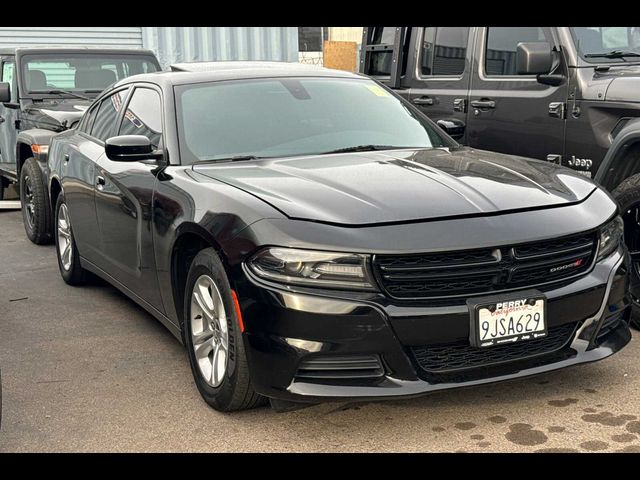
<point x="87" y="120"/>
<point x="107" y="115"/>
<point x="144" y="116"/>
<point x="501" y="46"/>
<point x="444" y="50"/>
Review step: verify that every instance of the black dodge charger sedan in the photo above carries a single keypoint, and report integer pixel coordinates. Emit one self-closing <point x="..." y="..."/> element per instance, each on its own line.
<point x="310" y="235"/>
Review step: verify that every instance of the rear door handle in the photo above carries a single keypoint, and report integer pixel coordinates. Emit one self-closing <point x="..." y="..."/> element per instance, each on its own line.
<point x="1" y="119"/>
<point x="484" y="103"/>
<point x="100" y="182"/>
<point x="423" y="101"/>
<point x="66" y="157"/>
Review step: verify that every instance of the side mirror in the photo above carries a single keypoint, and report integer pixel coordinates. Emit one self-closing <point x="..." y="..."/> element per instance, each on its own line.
<point x="130" y="148"/>
<point x="533" y="58"/>
<point x="453" y="127"/>
<point x="5" y="92"/>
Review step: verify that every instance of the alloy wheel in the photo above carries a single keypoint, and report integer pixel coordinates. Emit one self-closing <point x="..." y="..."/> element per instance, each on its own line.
<point x="65" y="240"/>
<point x="209" y="330"/>
<point x="29" y="203"/>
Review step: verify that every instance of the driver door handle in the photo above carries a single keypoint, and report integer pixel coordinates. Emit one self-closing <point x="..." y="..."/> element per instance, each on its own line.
<point x="423" y="101"/>
<point x="484" y="103"/>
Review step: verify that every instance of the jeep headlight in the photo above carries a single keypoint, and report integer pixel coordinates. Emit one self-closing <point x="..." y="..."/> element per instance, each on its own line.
<point x="349" y="271"/>
<point x="611" y="235"/>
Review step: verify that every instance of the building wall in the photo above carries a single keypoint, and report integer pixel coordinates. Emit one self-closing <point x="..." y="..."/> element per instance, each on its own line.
<point x="190" y="44"/>
<point x="79" y="36"/>
<point x="345" y="34"/>
<point x="170" y="44"/>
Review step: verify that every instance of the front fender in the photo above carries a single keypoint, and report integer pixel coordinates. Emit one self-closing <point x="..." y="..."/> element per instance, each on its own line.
<point x="615" y="167"/>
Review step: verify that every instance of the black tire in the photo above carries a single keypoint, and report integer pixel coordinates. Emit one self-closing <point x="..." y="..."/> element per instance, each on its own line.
<point x="1" y="189"/>
<point x="36" y="213"/>
<point x="627" y="194"/>
<point x="235" y="392"/>
<point x="74" y="274"/>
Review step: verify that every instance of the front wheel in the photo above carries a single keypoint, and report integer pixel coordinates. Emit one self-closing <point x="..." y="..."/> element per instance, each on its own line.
<point x="66" y="250"/>
<point x="214" y="339"/>
<point x="36" y="214"/>
<point x="628" y="196"/>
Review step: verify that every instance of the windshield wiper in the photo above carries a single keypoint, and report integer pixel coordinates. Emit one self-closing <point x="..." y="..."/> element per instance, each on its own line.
<point x="613" y="54"/>
<point x="363" y="148"/>
<point x="67" y="92"/>
<point x="237" y="158"/>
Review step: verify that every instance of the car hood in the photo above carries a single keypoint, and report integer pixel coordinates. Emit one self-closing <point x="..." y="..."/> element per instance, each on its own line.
<point x="625" y="87"/>
<point x="61" y="114"/>
<point x="402" y="185"/>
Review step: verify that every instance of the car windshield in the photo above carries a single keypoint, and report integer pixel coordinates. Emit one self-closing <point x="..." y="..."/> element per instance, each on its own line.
<point x="278" y="117"/>
<point x="86" y="74"/>
<point x="607" y="44"/>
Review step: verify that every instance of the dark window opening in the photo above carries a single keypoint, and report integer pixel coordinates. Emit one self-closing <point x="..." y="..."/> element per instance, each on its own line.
<point x="444" y="50"/>
<point x="502" y="43"/>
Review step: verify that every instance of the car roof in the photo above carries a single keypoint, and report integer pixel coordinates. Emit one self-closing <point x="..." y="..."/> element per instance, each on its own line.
<point x="22" y="49"/>
<point x="200" y="72"/>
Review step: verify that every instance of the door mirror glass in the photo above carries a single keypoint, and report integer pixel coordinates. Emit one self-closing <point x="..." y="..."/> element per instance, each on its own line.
<point x="130" y="148"/>
<point x="5" y="92"/>
<point x="533" y="58"/>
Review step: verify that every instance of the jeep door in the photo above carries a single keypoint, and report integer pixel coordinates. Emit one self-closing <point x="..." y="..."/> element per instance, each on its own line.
<point x="123" y="199"/>
<point x="514" y="113"/>
<point x="8" y="115"/>
<point x="440" y="74"/>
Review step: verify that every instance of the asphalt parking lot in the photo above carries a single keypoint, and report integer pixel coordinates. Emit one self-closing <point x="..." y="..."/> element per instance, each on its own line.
<point x="85" y="369"/>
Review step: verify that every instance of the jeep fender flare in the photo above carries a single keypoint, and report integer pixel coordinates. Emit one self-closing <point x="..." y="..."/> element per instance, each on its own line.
<point x="24" y="142"/>
<point x="616" y="165"/>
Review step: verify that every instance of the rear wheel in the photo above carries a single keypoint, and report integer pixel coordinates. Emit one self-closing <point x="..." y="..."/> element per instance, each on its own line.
<point x="628" y="196"/>
<point x="36" y="214"/>
<point x="67" y="253"/>
<point x="1" y="189"/>
<point x="213" y="337"/>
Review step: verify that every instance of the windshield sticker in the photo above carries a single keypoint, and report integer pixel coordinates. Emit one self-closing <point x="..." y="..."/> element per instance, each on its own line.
<point x="379" y="91"/>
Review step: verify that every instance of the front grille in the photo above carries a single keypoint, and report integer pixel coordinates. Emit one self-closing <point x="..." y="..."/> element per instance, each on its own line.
<point x="487" y="270"/>
<point x="460" y="356"/>
<point x="340" y="367"/>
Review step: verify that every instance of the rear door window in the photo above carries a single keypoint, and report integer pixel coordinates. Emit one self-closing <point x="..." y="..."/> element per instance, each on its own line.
<point x="444" y="51"/>
<point x="106" y="118"/>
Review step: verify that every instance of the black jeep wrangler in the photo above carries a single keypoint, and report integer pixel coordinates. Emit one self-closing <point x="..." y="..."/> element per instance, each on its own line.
<point x="569" y="95"/>
<point x="43" y="91"/>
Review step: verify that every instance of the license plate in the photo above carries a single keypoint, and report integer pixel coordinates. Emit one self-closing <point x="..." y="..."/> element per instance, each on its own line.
<point x="508" y="319"/>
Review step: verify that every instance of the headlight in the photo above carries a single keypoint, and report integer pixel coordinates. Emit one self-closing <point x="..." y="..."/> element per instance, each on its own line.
<point x="610" y="236"/>
<point x="313" y="268"/>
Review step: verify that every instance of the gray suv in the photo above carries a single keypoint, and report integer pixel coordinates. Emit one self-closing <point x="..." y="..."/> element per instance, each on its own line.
<point x="569" y="95"/>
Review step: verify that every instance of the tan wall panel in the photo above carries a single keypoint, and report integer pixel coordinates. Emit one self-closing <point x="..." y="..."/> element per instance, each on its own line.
<point x="341" y="55"/>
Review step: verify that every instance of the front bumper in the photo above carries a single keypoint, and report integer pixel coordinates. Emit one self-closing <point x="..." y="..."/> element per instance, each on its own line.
<point x="284" y="328"/>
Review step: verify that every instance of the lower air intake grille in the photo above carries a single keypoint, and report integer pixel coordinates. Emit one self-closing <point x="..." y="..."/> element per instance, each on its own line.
<point x="462" y="356"/>
<point x="341" y="367"/>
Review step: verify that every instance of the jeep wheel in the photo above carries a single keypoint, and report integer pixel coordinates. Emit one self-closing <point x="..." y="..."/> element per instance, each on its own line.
<point x="628" y="196"/>
<point x="36" y="214"/>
